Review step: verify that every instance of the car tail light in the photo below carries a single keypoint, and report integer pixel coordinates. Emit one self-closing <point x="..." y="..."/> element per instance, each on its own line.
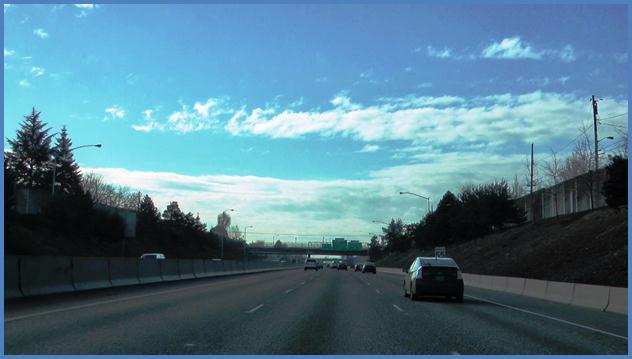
<point x="459" y="276"/>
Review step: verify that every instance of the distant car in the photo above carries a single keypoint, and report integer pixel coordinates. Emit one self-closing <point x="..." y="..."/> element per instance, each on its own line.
<point x="342" y="265"/>
<point x="433" y="276"/>
<point x="369" y="267"/>
<point x="334" y="266"/>
<point x="357" y="268"/>
<point x="319" y="265"/>
<point x="311" y="264"/>
<point x="152" y="256"/>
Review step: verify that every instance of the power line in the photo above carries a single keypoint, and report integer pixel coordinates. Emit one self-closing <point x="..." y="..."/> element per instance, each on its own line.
<point x="615" y="116"/>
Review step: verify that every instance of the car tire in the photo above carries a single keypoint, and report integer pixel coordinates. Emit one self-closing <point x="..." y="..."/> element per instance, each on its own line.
<point x="413" y="297"/>
<point x="459" y="298"/>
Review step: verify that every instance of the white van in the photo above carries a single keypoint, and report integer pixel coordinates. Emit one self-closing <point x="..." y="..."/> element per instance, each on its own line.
<point x="311" y="263"/>
<point x="153" y="256"/>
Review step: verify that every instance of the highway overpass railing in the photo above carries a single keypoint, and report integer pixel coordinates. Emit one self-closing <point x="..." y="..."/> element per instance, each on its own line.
<point x="26" y="276"/>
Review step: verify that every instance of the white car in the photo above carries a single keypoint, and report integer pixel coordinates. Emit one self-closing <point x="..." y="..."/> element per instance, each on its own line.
<point x="311" y="264"/>
<point x="153" y="256"/>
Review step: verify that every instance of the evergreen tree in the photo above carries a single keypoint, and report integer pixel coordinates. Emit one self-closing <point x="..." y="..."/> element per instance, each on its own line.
<point x="148" y="215"/>
<point x="32" y="153"/>
<point x="9" y="184"/>
<point x="615" y="188"/>
<point x="67" y="173"/>
<point x="173" y="213"/>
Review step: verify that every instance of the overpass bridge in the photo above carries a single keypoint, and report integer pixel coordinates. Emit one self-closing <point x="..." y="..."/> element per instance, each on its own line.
<point x="302" y="249"/>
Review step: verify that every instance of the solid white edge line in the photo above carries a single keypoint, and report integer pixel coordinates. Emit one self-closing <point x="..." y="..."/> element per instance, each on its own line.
<point x="254" y="309"/>
<point x="548" y="317"/>
<point x="398" y="308"/>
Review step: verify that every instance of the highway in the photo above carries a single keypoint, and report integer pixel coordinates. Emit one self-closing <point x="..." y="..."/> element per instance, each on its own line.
<point x="298" y="312"/>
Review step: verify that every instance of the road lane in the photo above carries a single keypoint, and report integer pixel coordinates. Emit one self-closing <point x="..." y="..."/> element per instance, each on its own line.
<point x="299" y="312"/>
<point x="506" y="331"/>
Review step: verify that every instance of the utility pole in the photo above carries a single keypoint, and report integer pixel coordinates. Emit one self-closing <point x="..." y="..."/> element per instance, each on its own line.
<point x="531" y="188"/>
<point x="595" y="120"/>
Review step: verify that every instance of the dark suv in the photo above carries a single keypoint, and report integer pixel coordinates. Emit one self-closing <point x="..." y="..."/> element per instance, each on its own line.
<point x="369" y="268"/>
<point x="342" y="265"/>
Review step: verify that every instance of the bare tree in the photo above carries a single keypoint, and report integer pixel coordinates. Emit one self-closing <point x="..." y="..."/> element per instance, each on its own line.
<point x="234" y="232"/>
<point x="109" y="195"/>
<point x="552" y="169"/>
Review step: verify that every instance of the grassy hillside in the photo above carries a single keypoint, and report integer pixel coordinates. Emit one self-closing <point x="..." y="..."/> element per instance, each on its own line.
<point x="588" y="247"/>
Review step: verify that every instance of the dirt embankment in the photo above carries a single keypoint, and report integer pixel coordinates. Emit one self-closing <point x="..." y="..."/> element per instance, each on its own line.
<point x="588" y="247"/>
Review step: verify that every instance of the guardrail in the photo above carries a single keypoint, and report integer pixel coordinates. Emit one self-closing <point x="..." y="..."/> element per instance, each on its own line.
<point x="26" y="276"/>
<point x="604" y="298"/>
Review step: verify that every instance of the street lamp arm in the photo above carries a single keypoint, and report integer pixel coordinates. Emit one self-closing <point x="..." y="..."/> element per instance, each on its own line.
<point x="98" y="145"/>
<point x="414" y="194"/>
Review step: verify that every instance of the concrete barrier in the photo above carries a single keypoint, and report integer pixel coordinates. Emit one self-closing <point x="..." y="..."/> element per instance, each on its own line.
<point x="169" y="270"/>
<point x="198" y="268"/>
<point x="45" y="275"/>
<point x="515" y="285"/>
<point x="486" y="282"/>
<point x="149" y="270"/>
<point x="535" y="288"/>
<point x="559" y="292"/>
<point x="123" y="271"/>
<point x="499" y="283"/>
<point x="12" y="277"/>
<point x="591" y="296"/>
<point x="185" y="268"/>
<point x="618" y="302"/>
<point x="90" y="273"/>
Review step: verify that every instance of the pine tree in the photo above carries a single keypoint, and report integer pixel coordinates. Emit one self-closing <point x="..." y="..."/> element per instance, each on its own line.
<point x="148" y="216"/>
<point x="67" y="173"/>
<point x="31" y="153"/>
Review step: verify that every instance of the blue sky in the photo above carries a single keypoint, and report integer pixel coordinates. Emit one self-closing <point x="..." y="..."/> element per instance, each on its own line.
<point x="310" y="119"/>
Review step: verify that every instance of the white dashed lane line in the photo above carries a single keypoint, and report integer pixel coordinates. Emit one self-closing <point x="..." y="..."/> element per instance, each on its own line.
<point x="398" y="308"/>
<point x="378" y="292"/>
<point x="254" y="309"/>
<point x="288" y="291"/>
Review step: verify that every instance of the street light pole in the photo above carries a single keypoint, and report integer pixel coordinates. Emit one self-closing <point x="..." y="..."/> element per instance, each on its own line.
<point x="418" y="195"/>
<point x="221" y="256"/>
<point x="246" y="239"/>
<point x="55" y="165"/>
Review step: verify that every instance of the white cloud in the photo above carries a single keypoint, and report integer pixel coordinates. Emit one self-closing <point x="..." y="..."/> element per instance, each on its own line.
<point x="567" y="54"/>
<point x="8" y="52"/>
<point x="24" y="83"/>
<point x="114" y="112"/>
<point x="6" y="7"/>
<point x="424" y="85"/>
<point x="564" y="79"/>
<point x="444" y="53"/>
<point x="505" y="118"/>
<point x="202" y="109"/>
<point x="326" y="207"/>
<point x="408" y="69"/>
<point x="203" y="116"/>
<point x="149" y="124"/>
<point x="321" y="79"/>
<point x="37" y="71"/>
<point x="40" y="33"/>
<point x="366" y="74"/>
<point x="85" y="6"/>
<point x="369" y="148"/>
<point x="510" y="48"/>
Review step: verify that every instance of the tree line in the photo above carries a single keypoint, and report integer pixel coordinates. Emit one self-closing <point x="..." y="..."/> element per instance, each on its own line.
<point x="76" y="210"/>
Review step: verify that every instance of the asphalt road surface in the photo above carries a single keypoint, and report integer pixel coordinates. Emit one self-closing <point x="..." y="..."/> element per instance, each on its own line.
<point x="298" y="312"/>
